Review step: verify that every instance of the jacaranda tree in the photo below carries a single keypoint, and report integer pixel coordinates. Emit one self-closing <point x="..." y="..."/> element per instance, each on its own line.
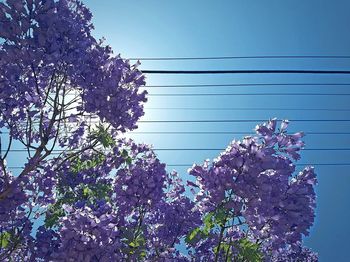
<point x="86" y="194"/>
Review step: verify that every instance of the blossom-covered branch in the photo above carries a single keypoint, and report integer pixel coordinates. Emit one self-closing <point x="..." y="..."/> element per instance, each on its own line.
<point x="86" y="194"/>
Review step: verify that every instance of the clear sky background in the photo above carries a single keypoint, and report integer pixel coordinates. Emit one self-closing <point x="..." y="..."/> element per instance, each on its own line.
<point x="200" y="28"/>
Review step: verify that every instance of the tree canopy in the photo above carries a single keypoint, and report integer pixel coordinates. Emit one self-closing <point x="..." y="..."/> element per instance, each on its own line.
<point x="86" y="194"/>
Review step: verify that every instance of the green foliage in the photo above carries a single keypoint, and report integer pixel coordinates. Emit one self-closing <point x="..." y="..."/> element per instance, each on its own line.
<point x="217" y="219"/>
<point x="67" y="195"/>
<point x="221" y="216"/>
<point x="225" y="249"/>
<point x="201" y="232"/>
<point x="194" y="236"/>
<point x="79" y="165"/>
<point x="103" y="136"/>
<point x="124" y="153"/>
<point x="212" y="220"/>
<point x="5" y="239"/>
<point x="249" y="251"/>
<point x="97" y="191"/>
<point x="54" y="213"/>
<point x="137" y="247"/>
<point x="209" y="223"/>
<point x="138" y="242"/>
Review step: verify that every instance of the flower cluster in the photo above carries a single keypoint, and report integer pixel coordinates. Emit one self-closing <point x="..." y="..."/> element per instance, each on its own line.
<point x="89" y="235"/>
<point x="141" y="183"/>
<point x="15" y="225"/>
<point x="53" y="71"/>
<point x="172" y="220"/>
<point x="55" y="80"/>
<point x="111" y="91"/>
<point x="113" y="206"/>
<point x="294" y="253"/>
<point x="253" y="181"/>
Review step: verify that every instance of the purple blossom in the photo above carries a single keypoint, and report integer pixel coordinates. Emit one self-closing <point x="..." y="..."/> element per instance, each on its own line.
<point x="253" y="180"/>
<point x="102" y="198"/>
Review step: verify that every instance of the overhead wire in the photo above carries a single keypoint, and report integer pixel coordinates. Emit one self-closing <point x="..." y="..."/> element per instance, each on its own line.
<point x="238" y="120"/>
<point x="251" y="84"/>
<point x="250" y="94"/>
<point x="197" y="149"/>
<point x="313" y="164"/>
<point x="243" y="57"/>
<point x="190" y="165"/>
<point x="221" y="121"/>
<point x="241" y="94"/>
<point x="247" y="108"/>
<point x="248" y="133"/>
<point x="228" y="132"/>
<point x="248" y="71"/>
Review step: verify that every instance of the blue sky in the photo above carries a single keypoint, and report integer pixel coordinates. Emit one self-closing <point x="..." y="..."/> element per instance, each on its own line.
<point x="244" y="28"/>
<point x="196" y="28"/>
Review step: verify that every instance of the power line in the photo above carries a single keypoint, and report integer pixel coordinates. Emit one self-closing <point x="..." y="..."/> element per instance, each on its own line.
<point x="189" y="165"/>
<point x="221" y="149"/>
<point x="228" y="132"/>
<point x="316" y="164"/>
<point x="247" y="108"/>
<point x="198" y="149"/>
<point x="239" y="121"/>
<point x="229" y="121"/>
<point x="224" y="121"/>
<point x="216" y="132"/>
<point x="248" y="71"/>
<point x="253" y="94"/>
<point x="253" y="84"/>
<point x="242" y="57"/>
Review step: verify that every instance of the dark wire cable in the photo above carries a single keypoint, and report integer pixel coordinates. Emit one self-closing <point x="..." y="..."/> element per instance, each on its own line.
<point x="239" y="121"/>
<point x="313" y="164"/>
<point x="221" y="149"/>
<point x="221" y="121"/>
<point x="248" y="71"/>
<point x="253" y="84"/>
<point x="248" y="133"/>
<point x="227" y="121"/>
<point x="252" y="94"/>
<point x="242" y="57"/>
<point x="249" y="94"/>
<point x="228" y="132"/>
<point x="197" y="149"/>
<point x="247" y="109"/>
<point x="190" y="165"/>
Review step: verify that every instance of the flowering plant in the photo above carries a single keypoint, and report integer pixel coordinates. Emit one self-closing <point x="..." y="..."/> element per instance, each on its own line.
<point x="85" y="194"/>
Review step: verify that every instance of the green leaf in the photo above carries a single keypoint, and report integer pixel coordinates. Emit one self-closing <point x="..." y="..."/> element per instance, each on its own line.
<point x="221" y="216"/>
<point x="137" y="245"/>
<point x="208" y="219"/>
<point x="5" y="239"/>
<point x="79" y="165"/>
<point x="208" y="223"/>
<point x="143" y="254"/>
<point x="133" y="244"/>
<point x="249" y="251"/>
<point x="128" y="160"/>
<point x="190" y="238"/>
<point x="86" y="192"/>
<point x="103" y="136"/>
<point x="124" y="153"/>
<point x="226" y="249"/>
<point x="54" y="213"/>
